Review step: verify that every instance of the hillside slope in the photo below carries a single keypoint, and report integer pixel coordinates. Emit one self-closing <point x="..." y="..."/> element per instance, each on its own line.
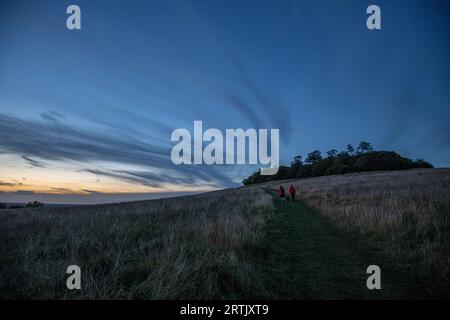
<point x="231" y="243"/>
<point x="401" y="215"/>
<point x="187" y="247"/>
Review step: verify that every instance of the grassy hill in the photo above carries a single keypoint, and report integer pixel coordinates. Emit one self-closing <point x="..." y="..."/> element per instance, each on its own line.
<point x="401" y="218"/>
<point x="241" y="243"/>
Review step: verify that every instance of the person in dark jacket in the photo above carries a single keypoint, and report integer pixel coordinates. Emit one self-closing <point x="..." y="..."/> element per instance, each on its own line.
<point x="292" y="192"/>
<point x="282" y="193"/>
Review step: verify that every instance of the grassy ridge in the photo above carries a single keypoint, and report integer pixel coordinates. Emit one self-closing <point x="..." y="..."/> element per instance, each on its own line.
<point x="188" y="247"/>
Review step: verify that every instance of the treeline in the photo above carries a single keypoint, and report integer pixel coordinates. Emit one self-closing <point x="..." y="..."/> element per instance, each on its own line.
<point x="31" y="204"/>
<point x="363" y="158"/>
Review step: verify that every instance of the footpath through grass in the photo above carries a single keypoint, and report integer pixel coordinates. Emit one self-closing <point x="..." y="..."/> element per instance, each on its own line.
<point x="305" y="258"/>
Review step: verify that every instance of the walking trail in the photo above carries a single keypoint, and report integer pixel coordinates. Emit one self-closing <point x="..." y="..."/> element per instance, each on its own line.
<point x="306" y="258"/>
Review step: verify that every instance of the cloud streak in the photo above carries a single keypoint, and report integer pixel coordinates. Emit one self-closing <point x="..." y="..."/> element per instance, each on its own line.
<point x="33" y="163"/>
<point x="8" y="184"/>
<point x="56" y="141"/>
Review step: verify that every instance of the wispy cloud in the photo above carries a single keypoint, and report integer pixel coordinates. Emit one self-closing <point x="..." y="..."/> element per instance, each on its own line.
<point x="63" y="190"/>
<point x="52" y="116"/>
<point x="9" y="184"/>
<point x="23" y="192"/>
<point x="90" y="191"/>
<point x="33" y="162"/>
<point x="57" y="141"/>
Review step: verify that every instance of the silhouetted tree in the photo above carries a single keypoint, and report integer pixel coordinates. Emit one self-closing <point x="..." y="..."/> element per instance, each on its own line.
<point x="364" y="147"/>
<point x="365" y="159"/>
<point x="281" y="174"/>
<point x="419" y="163"/>
<point x="297" y="161"/>
<point x="293" y="169"/>
<point x="34" y="204"/>
<point x="304" y="171"/>
<point x="313" y="157"/>
<point x="350" y="149"/>
<point x="332" y="153"/>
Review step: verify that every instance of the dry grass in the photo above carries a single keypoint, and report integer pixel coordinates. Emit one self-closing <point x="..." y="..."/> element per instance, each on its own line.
<point x="208" y="246"/>
<point x="187" y="247"/>
<point x="405" y="215"/>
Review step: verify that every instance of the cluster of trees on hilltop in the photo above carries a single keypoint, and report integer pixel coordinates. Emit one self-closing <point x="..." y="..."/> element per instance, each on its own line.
<point x="363" y="158"/>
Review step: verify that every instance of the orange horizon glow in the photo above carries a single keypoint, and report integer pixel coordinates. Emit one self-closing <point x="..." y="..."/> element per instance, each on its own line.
<point x="67" y="179"/>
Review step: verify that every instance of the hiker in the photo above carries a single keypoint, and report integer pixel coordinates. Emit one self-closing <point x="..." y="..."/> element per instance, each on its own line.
<point x="282" y="193"/>
<point x="292" y="192"/>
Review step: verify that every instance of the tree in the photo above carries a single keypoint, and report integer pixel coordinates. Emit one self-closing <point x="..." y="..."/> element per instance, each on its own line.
<point x="332" y="153"/>
<point x="364" y="147"/>
<point x="297" y="161"/>
<point x="350" y="149"/>
<point x="419" y="163"/>
<point x="364" y="159"/>
<point x="304" y="171"/>
<point x="296" y="164"/>
<point x="34" y="204"/>
<point x="3" y="206"/>
<point x="313" y="157"/>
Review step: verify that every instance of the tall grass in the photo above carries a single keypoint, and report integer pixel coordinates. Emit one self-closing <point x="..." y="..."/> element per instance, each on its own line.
<point x="208" y="246"/>
<point x="404" y="215"/>
<point x="187" y="247"/>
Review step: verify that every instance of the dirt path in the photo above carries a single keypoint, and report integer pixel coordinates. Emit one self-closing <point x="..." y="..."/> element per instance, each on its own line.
<point x="305" y="258"/>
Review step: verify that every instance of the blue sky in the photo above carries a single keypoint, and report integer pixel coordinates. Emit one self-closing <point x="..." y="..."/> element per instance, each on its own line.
<point x="86" y="115"/>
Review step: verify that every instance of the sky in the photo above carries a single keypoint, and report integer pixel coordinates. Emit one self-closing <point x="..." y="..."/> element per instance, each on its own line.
<point x="86" y="115"/>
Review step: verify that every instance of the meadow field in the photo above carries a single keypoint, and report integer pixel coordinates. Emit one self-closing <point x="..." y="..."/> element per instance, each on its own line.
<point x="402" y="215"/>
<point x="236" y="243"/>
<point x="187" y="247"/>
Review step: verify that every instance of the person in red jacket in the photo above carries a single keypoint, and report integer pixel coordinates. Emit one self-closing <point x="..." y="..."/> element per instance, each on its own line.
<point x="292" y="192"/>
<point x="282" y="193"/>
